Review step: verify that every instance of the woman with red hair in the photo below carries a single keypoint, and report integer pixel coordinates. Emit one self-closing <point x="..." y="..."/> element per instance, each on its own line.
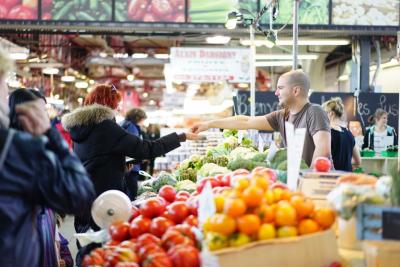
<point x="102" y="144"/>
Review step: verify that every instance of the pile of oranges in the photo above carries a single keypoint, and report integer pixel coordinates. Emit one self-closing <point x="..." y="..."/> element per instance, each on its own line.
<point x="256" y="209"/>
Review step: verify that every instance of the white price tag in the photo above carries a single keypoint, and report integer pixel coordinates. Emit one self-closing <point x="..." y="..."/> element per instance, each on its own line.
<point x="206" y="204"/>
<point x="272" y="151"/>
<point x="295" y="143"/>
<point x="260" y="144"/>
<point x="240" y="136"/>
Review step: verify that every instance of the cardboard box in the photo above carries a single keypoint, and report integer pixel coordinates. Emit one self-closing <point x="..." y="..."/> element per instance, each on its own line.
<point x="314" y="250"/>
<point x="382" y="253"/>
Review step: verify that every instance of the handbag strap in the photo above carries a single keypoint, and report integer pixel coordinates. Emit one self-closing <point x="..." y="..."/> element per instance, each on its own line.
<point x="6" y="146"/>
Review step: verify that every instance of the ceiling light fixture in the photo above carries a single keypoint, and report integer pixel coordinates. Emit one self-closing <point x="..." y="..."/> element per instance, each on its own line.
<point x="139" y="55"/>
<point x="162" y="56"/>
<point x="103" y="54"/>
<point x="81" y="85"/>
<point x="68" y="78"/>
<point x="130" y="77"/>
<point x="218" y="39"/>
<point x="19" y="56"/>
<point x="285" y="56"/>
<point x="50" y="71"/>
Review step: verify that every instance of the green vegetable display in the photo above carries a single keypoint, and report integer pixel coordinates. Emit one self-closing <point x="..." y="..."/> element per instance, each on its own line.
<point x="88" y="10"/>
<point x="240" y="163"/>
<point x="211" y="11"/>
<point x="310" y="12"/>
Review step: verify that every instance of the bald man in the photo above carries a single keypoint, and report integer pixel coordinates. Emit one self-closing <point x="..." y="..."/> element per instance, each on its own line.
<point x="292" y="92"/>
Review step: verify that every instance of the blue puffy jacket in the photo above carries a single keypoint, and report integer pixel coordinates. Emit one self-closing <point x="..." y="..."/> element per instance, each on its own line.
<point x="36" y="171"/>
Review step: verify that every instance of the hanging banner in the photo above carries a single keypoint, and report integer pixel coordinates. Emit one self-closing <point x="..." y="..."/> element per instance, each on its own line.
<point x="210" y="64"/>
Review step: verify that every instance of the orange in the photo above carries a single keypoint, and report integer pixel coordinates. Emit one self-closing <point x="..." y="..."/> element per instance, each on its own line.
<point x="269" y="197"/>
<point x="222" y="224"/>
<point x="235" y="207"/>
<point x="219" y="201"/>
<point x="241" y="183"/>
<point x="285" y="215"/>
<point x="287" y="231"/>
<point x="286" y="195"/>
<point x="253" y="196"/>
<point x="308" y="226"/>
<point x="278" y="193"/>
<point x="266" y="213"/>
<point x="325" y="217"/>
<point x="266" y="231"/>
<point x="260" y="181"/>
<point x="303" y="206"/>
<point x="248" y="224"/>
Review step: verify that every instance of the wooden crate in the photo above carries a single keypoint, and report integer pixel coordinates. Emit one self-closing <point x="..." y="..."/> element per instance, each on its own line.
<point x="382" y="253"/>
<point x="314" y="250"/>
<point x="374" y="223"/>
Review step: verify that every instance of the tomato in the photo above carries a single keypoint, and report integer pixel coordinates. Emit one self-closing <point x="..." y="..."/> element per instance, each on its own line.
<point x="192" y="221"/>
<point x="219" y="189"/>
<point x="168" y="193"/>
<point x="308" y="226"/>
<point x="121" y="255"/>
<point x="158" y="259"/>
<point x="278" y="185"/>
<point x="287" y="231"/>
<point x="147" y="250"/>
<point x="185" y="230"/>
<point x="127" y="264"/>
<point x="253" y="196"/>
<point x="87" y="261"/>
<point x="183" y="193"/>
<point x="214" y="183"/>
<point x="151" y="208"/>
<point x="322" y="164"/>
<point x="179" y="211"/>
<point x="119" y="231"/>
<point x="128" y="244"/>
<point x="3" y="11"/>
<point x="184" y="256"/>
<point x="147" y="238"/>
<point x="226" y="180"/>
<point x="335" y="264"/>
<point x="137" y="9"/>
<point x="266" y="231"/>
<point x="216" y="241"/>
<point x="239" y="239"/>
<point x="221" y="223"/>
<point x="8" y="4"/>
<point x="139" y="225"/>
<point x="111" y="243"/>
<point x="135" y="212"/>
<point x="268" y="173"/>
<point x="193" y="205"/>
<point x="285" y="215"/>
<point x="181" y="198"/>
<point x="161" y="8"/>
<point x="235" y="207"/>
<point x="219" y="178"/>
<point x="177" y="3"/>
<point x="240" y="172"/>
<point x="249" y="224"/>
<point x="172" y="238"/>
<point x="160" y="225"/>
<point x="22" y="12"/>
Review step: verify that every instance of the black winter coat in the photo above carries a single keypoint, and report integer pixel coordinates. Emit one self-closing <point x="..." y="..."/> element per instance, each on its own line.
<point x="37" y="171"/>
<point x="102" y="146"/>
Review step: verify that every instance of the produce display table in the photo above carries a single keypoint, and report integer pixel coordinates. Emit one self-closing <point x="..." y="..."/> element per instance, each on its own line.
<point x="378" y="164"/>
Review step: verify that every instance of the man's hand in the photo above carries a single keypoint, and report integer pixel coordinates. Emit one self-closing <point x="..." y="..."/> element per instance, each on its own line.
<point x="193" y="136"/>
<point x="200" y="127"/>
<point x="33" y="117"/>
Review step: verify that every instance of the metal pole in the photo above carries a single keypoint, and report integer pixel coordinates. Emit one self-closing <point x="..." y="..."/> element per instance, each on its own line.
<point x="252" y="73"/>
<point x="295" y="32"/>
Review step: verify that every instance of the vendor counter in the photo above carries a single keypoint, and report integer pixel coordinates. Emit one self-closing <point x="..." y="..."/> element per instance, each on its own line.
<point x="378" y="164"/>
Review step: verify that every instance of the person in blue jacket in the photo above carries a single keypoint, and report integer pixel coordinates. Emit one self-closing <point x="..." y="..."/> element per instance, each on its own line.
<point x="133" y="119"/>
<point x="36" y="169"/>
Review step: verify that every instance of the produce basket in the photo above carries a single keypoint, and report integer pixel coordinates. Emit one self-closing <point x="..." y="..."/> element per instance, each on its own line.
<point x="367" y="153"/>
<point x="389" y="153"/>
<point x="313" y="250"/>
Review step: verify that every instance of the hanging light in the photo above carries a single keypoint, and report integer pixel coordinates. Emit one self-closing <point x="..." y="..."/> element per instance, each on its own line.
<point x="81" y="85"/>
<point x="50" y="71"/>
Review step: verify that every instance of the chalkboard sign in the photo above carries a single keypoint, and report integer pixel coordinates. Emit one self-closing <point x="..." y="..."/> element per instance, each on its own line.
<point x="367" y="103"/>
<point x="391" y="225"/>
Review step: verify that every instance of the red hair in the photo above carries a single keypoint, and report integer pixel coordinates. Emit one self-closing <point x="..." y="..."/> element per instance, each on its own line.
<point x="103" y="94"/>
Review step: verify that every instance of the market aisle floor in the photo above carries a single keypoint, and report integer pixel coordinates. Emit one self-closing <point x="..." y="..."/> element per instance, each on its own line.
<point x="67" y="230"/>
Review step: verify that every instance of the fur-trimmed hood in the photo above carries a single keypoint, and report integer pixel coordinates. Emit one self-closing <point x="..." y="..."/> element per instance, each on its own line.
<point x="80" y="122"/>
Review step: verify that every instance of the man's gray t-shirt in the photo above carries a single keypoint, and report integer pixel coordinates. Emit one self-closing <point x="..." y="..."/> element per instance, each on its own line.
<point x="311" y="116"/>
